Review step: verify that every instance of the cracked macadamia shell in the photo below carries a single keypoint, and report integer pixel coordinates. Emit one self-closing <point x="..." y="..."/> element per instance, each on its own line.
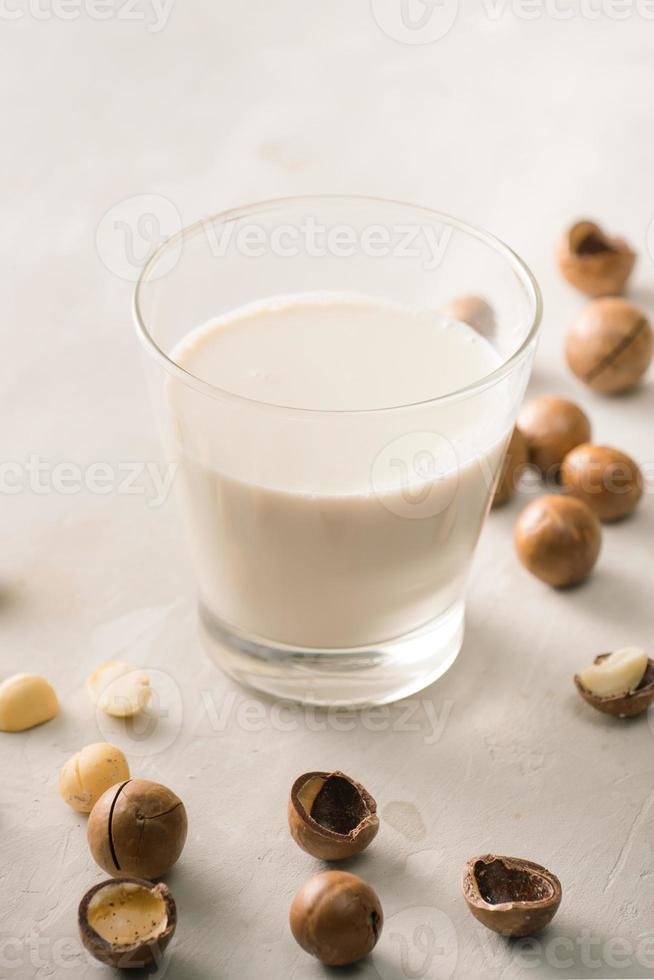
<point x="137" y="828"/>
<point x="510" y="895"/>
<point x="610" y="345"/>
<point x="593" y="262"/>
<point x="552" y="427"/>
<point x="331" y="816"/>
<point x="336" y="917"/>
<point x="622" y="705"/>
<point x="609" y="481"/>
<point x="558" y="539"/>
<point x="127" y="922"/>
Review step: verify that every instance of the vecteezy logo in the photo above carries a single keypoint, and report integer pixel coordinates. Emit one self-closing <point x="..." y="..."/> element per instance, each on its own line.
<point x="132" y="230"/>
<point x="417" y="944"/>
<point x="416" y="476"/>
<point x="415" y="21"/>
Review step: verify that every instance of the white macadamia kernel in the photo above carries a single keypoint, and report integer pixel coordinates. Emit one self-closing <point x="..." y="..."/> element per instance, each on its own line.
<point x="119" y="689"/>
<point x="619" y="673"/>
<point x="26" y="700"/>
<point x="91" y="771"/>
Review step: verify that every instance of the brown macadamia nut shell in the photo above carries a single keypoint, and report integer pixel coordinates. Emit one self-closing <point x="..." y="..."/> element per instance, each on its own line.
<point x="515" y="460"/>
<point x="140" y="954"/>
<point x="137" y="828"/>
<point x="558" y="539"/>
<point x="331" y="816"/>
<point x="510" y="895"/>
<point x="609" y="481"/>
<point x="593" y="262"/>
<point x="475" y="311"/>
<point x="610" y="345"/>
<point x="621" y="705"/>
<point x="336" y="917"/>
<point x="552" y="427"/>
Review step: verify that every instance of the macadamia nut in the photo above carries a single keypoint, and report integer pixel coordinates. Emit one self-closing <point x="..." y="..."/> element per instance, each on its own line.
<point x="137" y="828"/>
<point x="609" y="481"/>
<point x="336" y="917"/>
<point x="26" y="700"/>
<point x="473" y="310"/>
<point x="619" y="673"/>
<point x="119" y="689"/>
<point x="515" y="463"/>
<point x="610" y="345"/>
<point x="558" y="539"/>
<point x="552" y="427"/>
<point x="90" y="772"/>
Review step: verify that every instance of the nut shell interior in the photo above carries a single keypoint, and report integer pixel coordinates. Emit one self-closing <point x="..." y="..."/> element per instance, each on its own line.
<point x="621" y="705"/>
<point x="511" y="896"/>
<point x="594" y="262"/>
<point x="331" y="816"/>
<point x="127" y="922"/>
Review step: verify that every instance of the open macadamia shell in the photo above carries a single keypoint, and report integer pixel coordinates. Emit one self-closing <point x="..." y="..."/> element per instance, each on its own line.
<point x="137" y="828"/>
<point x="127" y="922"/>
<point x="510" y="895"/>
<point x="622" y="705"/>
<point x="593" y="262"/>
<point x="331" y="816"/>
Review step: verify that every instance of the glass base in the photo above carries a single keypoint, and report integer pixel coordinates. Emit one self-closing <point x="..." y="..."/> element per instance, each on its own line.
<point x="358" y="677"/>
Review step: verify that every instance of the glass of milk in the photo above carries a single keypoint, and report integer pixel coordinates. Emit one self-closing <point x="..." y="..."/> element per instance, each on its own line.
<point x="337" y="432"/>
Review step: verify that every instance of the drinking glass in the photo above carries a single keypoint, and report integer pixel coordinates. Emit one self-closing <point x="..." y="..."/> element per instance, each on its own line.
<point x="331" y="547"/>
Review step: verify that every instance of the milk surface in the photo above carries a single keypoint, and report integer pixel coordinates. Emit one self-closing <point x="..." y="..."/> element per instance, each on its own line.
<point x="331" y="353"/>
<point x="335" y="518"/>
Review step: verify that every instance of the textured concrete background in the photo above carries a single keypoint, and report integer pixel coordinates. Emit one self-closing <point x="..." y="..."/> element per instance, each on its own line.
<point x="513" y="121"/>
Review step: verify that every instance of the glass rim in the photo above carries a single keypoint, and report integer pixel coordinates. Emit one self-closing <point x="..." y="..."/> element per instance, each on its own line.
<point x="519" y="266"/>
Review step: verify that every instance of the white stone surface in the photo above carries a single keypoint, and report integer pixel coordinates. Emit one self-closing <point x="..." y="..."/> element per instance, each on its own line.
<point x="512" y="123"/>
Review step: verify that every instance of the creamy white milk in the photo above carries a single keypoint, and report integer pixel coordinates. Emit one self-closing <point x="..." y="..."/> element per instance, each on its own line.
<point x="334" y="526"/>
